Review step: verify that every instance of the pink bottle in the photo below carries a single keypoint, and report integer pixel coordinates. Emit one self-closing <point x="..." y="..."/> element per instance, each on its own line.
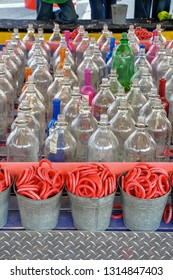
<point x="88" y="90"/>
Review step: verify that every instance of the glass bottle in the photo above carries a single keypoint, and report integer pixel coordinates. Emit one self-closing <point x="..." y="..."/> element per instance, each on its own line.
<point x="102" y="39"/>
<point x="113" y="108"/>
<point x="8" y="90"/>
<point x="159" y="56"/>
<point x="71" y="109"/>
<point x="103" y="145"/>
<point x="8" y="74"/>
<point x="11" y="66"/>
<point x="123" y="62"/>
<point x="60" y="146"/>
<point x="103" y="99"/>
<point x="43" y="79"/>
<point x="160" y="129"/>
<point x="77" y="40"/>
<point x="161" y="91"/>
<point x="22" y="144"/>
<point x="3" y="113"/>
<point x="64" y="94"/>
<point x="147" y="107"/>
<point x="67" y="55"/>
<point x="113" y="82"/>
<point x="153" y="50"/>
<point x="67" y="39"/>
<point x="136" y="99"/>
<point x="62" y="44"/>
<point x="18" y="51"/>
<point x="61" y="58"/>
<point x="169" y="87"/>
<point x="81" y="48"/>
<point x="54" y="87"/>
<point x="33" y="61"/>
<point x="134" y="45"/>
<point x="32" y="122"/>
<point x="37" y="46"/>
<point x="169" y="72"/>
<point x="68" y="72"/>
<point x="106" y="46"/>
<point x="30" y="35"/>
<point x="90" y="64"/>
<point x="32" y="84"/>
<point x="140" y="146"/>
<point x="122" y="125"/>
<point x="56" y="112"/>
<point x="28" y="72"/>
<point x="87" y="90"/>
<point x="160" y="34"/>
<point x="56" y="35"/>
<point x="97" y="58"/>
<point x="145" y="82"/>
<point x="142" y="59"/>
<point x="38" y="109"/>
<point x="43" y="43"/>
<point x="163" y="66"/>
<point x="82" y="127"/>
<point x="19" y="42"/>
<point x="131" y="33"/>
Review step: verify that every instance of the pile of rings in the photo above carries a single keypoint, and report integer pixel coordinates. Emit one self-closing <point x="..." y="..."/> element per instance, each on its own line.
<point x="5" y="179"/>
<point x="40" y="182"/>
<point x="91" y="180"/>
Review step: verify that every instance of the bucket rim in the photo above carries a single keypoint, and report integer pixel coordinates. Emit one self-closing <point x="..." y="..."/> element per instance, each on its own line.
<point x="92" y="198"/>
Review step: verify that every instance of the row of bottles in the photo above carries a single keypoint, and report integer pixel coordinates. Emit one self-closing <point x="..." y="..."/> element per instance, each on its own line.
<point x="104" y="92"/>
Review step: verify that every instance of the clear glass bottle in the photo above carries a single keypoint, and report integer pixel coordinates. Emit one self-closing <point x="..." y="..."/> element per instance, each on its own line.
<point x="123" y="62"/>
<point x="64" y="94"/>
<point x="32" y="122"/>
<point x="153" y="50"/>
<point x="103" y="99"/>
<point x="145" y="82"/>
<point x="18" y="51"/>
<point x="113" y="108"/>
<point x="8" y="74"/>
<point x="81" y="48"/>
<point x="64" y="54"/>
<point x="122" y="125"/>
<point x="62" y="44"/>
<point x="68" y="72"/>
<point x="32" y="84"/>
<point x="60" y="146"/>
<point x="8" y="90"/>
<point x="140" y="146"/>
<point x="160" y="34"/>
<point x="20" y="43"/>
<point x="134" y="45"/>
<point x="43" y="43"/>
<point x="11" y="66"/>
<point x="3" y="113"/>
<point x="103" y="145"/>
<point x="77" y="40"/>
<point x="159" y="56"/>
<point x="33" y="61"/>
<point x="160" y="129"/>
<point x="90" y="64"/>
<point x="169" y="72"/>
<point x="142" y="59"/>
<point x="147" y="107"/>
<point x="113" y="82"/>
<point x="56" y="35"/>
<point x="82" y="127"/>
<point x="136" y="99"/>
<point x="52" y="91"/>
<point x="37" y="46"/>
<point x="106" y="46"/>
<point x="38" y="109"/>
<point x="102" y="39"/>
<point x="97" y="58"/>
<point x="91" y="47"/>
<point x="30" y="35"/>
<point x="131" y="33"/>
<point x="56" y="112"/>
<point x="43" y="79"/>
<point x="71" y="109"/>
<point x="87" y="90"/>
<point x="169" y="87"/>
<point x="163" y="66"/>
<point x="22" y="144"/>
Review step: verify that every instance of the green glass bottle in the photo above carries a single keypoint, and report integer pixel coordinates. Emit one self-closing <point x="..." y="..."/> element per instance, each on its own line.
<point x="123" y="62"/>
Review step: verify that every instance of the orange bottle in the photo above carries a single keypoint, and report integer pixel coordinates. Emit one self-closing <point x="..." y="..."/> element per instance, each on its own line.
<point x="28" y="72"/>
<point x="62" y="57"/>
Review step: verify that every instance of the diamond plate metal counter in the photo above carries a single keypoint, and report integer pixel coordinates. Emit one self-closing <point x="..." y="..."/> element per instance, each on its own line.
<point x="66" y="245"/>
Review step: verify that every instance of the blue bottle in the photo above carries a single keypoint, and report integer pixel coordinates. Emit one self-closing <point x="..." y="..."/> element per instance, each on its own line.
<point x="56" y="112"/>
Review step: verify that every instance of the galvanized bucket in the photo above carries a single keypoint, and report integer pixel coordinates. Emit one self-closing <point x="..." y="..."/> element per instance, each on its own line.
<point x="4" y="203"/>
<point x="92" y="214"/>
<point x="39" y="214"/>
<point x="142" y="214"/>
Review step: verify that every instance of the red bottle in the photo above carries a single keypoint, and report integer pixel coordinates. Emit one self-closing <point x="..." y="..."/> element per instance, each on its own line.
<point x="165" y="103"/>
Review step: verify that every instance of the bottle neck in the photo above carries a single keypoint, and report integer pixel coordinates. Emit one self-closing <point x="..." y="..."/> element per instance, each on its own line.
<point x="162" y="85"/>
<point x="56" y="110"/>
<point x="87" y="78"/>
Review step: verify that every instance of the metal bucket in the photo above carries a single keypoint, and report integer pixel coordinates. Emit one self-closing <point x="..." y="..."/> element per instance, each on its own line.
<point x="39" y="214"/>
<point x="119" y="13"/>
<point x="92" y="214"/>
<point x="142" y="214"/>
<point x="4" y="203"/>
